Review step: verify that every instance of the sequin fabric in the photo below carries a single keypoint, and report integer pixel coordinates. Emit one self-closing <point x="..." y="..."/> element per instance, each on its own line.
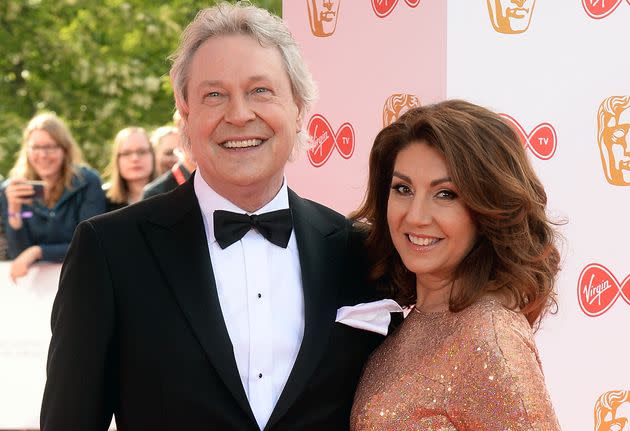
<point x="474" y="370"/>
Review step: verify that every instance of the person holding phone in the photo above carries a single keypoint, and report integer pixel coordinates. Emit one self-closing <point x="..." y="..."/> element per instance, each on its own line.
<point x="49" y="191"/>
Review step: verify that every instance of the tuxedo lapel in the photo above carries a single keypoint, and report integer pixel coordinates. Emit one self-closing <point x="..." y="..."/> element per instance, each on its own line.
<point x="320" y="244"/>
<point x="176" y="236"/>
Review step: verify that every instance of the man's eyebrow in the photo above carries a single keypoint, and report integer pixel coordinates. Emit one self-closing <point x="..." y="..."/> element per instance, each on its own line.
<point x="218" y="82"/>
<point x="209" y="83"/>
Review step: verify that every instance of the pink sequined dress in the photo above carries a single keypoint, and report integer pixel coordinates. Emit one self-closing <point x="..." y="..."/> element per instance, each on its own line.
<point x="469" y="371"/>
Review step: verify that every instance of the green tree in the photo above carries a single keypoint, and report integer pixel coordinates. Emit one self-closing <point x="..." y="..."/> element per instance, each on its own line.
<point x="99" y="64"/>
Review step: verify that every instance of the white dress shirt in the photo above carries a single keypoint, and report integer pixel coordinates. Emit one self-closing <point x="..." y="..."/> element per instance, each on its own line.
<point x="260" y="291"/>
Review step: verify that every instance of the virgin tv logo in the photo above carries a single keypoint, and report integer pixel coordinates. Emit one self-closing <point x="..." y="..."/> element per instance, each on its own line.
<point x="325" y="141"/>
<point x="382" y="8"/>
<point x="598" y="9"/>
<point x="599" y="289"/>
<point x="542" y="141"/>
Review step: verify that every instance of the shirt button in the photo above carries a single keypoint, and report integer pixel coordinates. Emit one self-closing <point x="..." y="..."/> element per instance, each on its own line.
<point x="260" y="375"/>
<point x="52" y="213"/>
<point x="259" y="296"/>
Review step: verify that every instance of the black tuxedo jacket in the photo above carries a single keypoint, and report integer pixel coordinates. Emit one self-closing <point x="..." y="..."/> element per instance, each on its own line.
<point x="137" y="329"/>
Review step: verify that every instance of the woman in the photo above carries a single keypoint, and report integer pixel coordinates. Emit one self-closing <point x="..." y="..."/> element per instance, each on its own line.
<point x="165" y="140"/>
<point x="40" y="226"/>
<point x="132" y="166"/>
<point x="457" y="229"/>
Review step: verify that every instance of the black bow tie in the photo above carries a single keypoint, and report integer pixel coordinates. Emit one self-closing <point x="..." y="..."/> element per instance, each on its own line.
<point x="230" y="227"/>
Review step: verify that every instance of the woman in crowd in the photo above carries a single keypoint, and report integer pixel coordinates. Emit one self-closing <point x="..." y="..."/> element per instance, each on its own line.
<point x="165" y="140"/>
<point x="132" y="166"/>
<point x="48" y="193"/>
<point x="457" y="230"/>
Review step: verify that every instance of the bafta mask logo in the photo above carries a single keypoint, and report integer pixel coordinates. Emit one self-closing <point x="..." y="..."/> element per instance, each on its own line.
<point x="613" y="138"/>
<point x="322" y="16"/>
<point x="599" y="289"/>
<point x="396" y="105"/>
<point x="511" y="16"/>
<point x="382" y="8"/>
<point x="612" y="411"/>
<point x="325" y="141"/>
<point x="598" y="9"/>
<point x="542" y="141"/>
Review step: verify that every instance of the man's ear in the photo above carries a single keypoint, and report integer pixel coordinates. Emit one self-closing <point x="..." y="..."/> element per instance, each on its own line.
<point x="299" y="121"/>
<point x="180" y="102"/>
<point x="182" y="107"/>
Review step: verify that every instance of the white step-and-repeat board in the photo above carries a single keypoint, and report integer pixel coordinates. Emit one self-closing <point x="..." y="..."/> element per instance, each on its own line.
<point x="559" y="71"/>
<point x="24" y="337"/>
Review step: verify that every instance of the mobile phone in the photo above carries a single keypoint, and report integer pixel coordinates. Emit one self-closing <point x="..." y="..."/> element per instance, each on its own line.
<point x="38" y="188"/>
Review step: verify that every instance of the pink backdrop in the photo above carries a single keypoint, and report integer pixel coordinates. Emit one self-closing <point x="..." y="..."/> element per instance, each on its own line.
<point x="358" y="68"/>
<point x="548" y="71"/>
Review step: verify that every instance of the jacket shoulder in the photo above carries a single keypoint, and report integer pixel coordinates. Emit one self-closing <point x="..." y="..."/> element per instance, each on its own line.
<point x="86" y="175"/>
<point x="316" y="213"/>
<point x="161" y="184"/>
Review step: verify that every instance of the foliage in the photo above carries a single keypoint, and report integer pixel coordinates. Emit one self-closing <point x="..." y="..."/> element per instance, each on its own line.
<point x="99" y="64"/>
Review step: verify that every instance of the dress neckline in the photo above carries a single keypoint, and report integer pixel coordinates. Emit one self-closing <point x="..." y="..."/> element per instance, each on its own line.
<point x="416" y="310"/>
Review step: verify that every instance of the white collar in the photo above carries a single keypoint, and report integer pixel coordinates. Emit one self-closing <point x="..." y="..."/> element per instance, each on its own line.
<point x="210" y="201"/>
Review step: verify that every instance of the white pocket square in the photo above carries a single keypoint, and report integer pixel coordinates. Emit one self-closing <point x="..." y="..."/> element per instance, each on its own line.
<point x="371" y="316"/>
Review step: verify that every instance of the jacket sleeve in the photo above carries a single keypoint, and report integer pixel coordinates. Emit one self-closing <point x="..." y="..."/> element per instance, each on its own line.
<point x="80" y="391"/>
<point x="92" y="203"/>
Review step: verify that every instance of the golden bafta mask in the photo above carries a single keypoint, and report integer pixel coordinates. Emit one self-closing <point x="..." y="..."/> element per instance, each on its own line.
<point x="613" y="138"/>
<point x="612" y="411"/>
<point x="511" y="16"/>
<point x="396" y="105"/>
<point x="322" y="16"/>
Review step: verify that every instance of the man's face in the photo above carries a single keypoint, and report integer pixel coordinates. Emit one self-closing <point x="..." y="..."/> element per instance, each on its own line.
<point x="242" y="120"/>
<point x="616" y="137"/>
<point x="510" y="16"/>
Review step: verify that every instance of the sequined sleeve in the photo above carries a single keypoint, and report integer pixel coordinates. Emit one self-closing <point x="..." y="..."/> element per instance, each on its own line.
<point x="502" y="384"/>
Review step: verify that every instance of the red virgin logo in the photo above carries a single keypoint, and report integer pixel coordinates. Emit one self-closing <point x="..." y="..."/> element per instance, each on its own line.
<point x="325" y="141"/>
<point x="542" y="140"/>
<point x="382" y="8"/>
<point x="598" y="9"/>
<point x="599" y="289"/>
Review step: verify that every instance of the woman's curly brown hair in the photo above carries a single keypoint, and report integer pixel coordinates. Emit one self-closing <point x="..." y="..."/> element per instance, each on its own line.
<point x="515" y="252"/>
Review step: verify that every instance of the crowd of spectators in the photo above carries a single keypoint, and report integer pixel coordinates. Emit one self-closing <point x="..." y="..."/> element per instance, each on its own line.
<point x="51" y="189"/>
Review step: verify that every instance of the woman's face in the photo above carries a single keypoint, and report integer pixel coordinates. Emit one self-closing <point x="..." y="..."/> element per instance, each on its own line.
<point x="431" y="227"/>
<point x="135" y="160"/>
<point x="164" y="156"/>
<point x="45" y="155"/>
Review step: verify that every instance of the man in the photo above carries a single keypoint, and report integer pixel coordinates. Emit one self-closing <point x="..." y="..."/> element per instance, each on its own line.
<point x="163" y="320"/>
<point x="613" y="136"/>
<point x="511" y="16"/>
<point x="178" y="173"/>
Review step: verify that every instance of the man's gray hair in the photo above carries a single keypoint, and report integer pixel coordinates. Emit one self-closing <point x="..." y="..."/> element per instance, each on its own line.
<point x="268" y="29"/>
